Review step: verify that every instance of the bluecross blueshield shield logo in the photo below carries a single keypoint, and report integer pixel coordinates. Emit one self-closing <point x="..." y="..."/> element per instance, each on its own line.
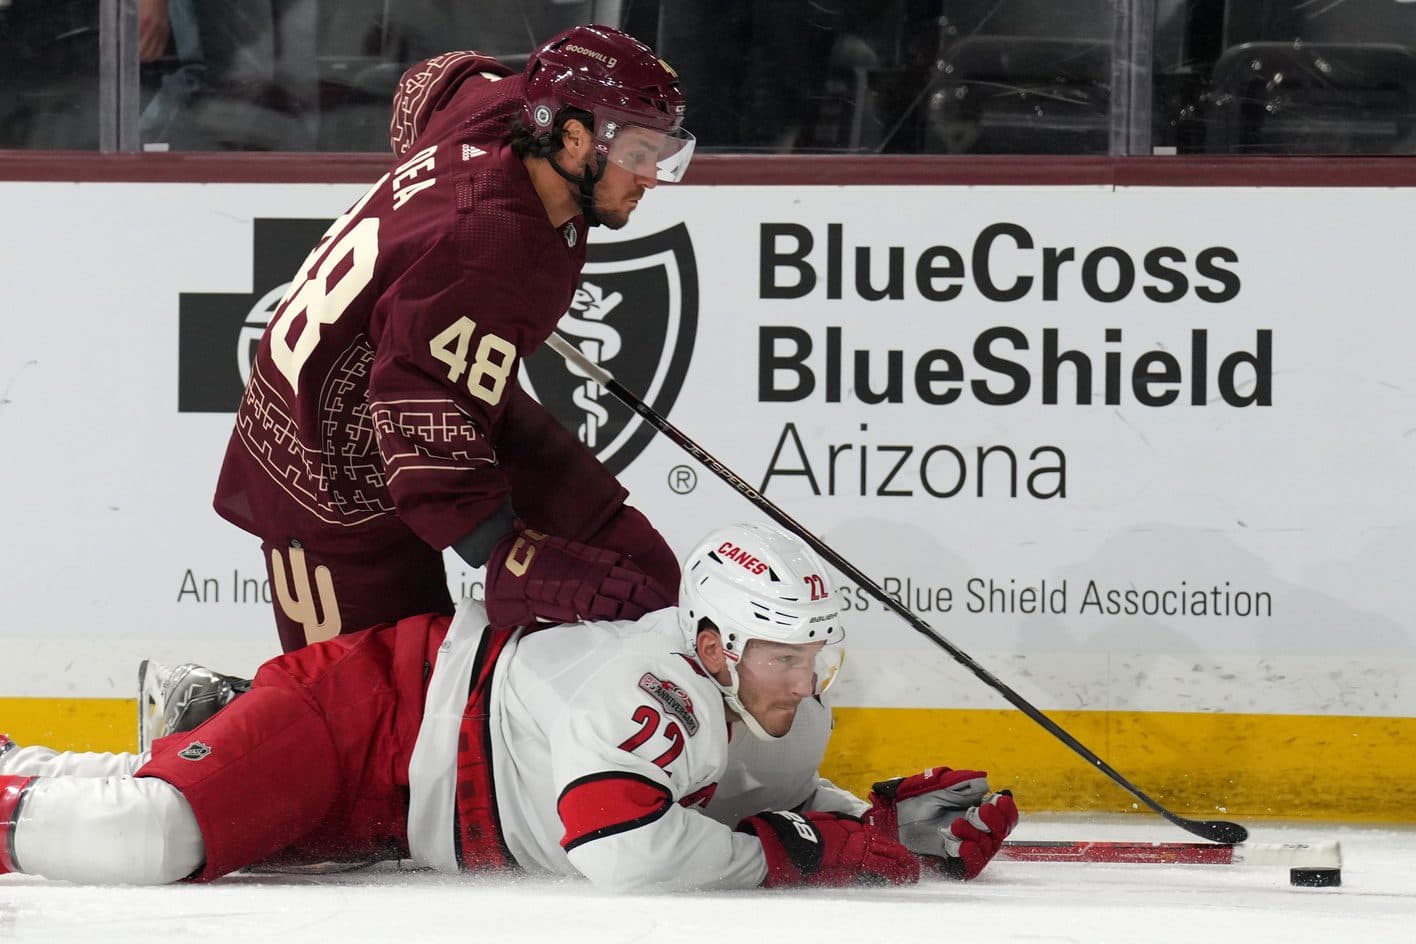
<point x="636" y="315"/>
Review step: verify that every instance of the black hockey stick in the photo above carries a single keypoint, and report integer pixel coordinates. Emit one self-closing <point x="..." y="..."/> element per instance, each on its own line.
<point x="1213" y="830"/>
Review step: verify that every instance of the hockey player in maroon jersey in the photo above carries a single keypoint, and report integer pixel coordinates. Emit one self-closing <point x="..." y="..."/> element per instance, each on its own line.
<point x="383" y="421"/>
<point x="602" y="749"/>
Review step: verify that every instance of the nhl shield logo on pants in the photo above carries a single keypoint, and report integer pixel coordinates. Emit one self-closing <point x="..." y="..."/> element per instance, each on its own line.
<point x="195" y="751"/>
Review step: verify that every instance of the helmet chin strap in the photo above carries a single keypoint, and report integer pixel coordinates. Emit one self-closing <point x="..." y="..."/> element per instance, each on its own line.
<point x="586" y="183"/>
<point x="730" y="696"/>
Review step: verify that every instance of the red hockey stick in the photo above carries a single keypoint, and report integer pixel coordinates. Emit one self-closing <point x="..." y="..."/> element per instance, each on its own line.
<point x="1287" y="854"/>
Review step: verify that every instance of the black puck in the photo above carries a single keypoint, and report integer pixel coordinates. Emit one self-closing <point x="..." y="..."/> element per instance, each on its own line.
<point x="1315" y="878"/>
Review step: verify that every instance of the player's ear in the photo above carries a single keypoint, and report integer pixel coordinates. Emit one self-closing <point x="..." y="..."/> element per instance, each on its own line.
<point x="576" y="138"/>
<point x="710" y="649"/>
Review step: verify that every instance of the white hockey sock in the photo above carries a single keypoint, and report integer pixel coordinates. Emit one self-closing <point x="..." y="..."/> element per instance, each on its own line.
<point x="107" y="830"/>
<point x="47" y="762"/>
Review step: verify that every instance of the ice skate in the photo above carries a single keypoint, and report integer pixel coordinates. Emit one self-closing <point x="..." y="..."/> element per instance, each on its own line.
<point x="178" y="698"/>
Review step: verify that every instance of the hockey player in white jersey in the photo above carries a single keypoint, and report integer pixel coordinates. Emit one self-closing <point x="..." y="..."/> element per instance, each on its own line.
<point x="587" y="749"/>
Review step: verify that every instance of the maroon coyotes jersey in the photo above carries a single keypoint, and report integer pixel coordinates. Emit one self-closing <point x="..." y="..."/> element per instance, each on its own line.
<point x="378" y="392"/>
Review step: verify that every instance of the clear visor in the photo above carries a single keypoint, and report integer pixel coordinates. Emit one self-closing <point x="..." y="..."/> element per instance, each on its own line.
<point x="645" y="152"/>
<point x="789" y="666"/>
<point x="828" y="666"/>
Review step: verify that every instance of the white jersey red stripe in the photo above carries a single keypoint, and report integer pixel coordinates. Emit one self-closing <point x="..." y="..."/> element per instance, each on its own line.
<point x="571" y="799"/>
<point x="612" y="757"/>
<point x="604" y="804"/>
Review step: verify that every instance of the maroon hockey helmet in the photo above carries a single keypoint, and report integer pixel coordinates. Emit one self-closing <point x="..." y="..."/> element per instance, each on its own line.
<point x="622" y="84"/>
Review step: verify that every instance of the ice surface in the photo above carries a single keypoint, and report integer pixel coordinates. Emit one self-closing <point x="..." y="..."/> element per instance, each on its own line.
<point x="1029" y="903"/>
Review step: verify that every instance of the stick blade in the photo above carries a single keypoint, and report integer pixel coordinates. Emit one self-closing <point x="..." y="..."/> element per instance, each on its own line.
<point x="1216" y="830"/>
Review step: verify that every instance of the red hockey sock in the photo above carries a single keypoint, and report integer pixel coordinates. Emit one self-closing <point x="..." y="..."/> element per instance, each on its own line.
<point x="12" y="794"/>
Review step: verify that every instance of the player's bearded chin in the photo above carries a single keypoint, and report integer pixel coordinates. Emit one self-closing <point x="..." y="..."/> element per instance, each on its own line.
<point x="611" y="217"/>
<point x="782" y="720"/>
<point x="769" y="716"/>
<point x="776" y="717"/>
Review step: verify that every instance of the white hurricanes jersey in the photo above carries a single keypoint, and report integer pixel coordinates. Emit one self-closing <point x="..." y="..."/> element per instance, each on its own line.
<point x="612" y="758"/>
<point x="606" y="743"/>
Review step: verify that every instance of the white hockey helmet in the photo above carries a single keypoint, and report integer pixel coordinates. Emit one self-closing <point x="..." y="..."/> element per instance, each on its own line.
<point x="756" y="581"/>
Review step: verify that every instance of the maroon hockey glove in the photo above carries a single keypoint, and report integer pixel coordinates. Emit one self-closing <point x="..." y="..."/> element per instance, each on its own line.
<point x="531" y="575"/>
<point x="828" y="849"/>
<point x="950" y="817"/>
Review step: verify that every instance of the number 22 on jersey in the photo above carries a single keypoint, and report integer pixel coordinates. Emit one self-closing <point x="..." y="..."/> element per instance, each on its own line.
<point x="648" y="720"/>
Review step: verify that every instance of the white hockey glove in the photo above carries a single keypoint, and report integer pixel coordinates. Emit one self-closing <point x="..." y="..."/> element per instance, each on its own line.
<point x="949" y="817"/>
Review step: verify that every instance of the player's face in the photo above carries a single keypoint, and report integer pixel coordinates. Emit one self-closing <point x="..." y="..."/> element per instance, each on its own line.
<point x="631" y="171"/>
<point x="773" y="678"/>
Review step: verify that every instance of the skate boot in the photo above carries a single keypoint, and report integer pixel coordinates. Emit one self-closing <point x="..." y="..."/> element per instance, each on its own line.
<point x="178" y="698"/>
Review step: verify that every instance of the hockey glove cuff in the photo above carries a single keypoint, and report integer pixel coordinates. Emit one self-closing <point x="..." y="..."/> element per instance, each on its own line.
<point x="828" y="849"/>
